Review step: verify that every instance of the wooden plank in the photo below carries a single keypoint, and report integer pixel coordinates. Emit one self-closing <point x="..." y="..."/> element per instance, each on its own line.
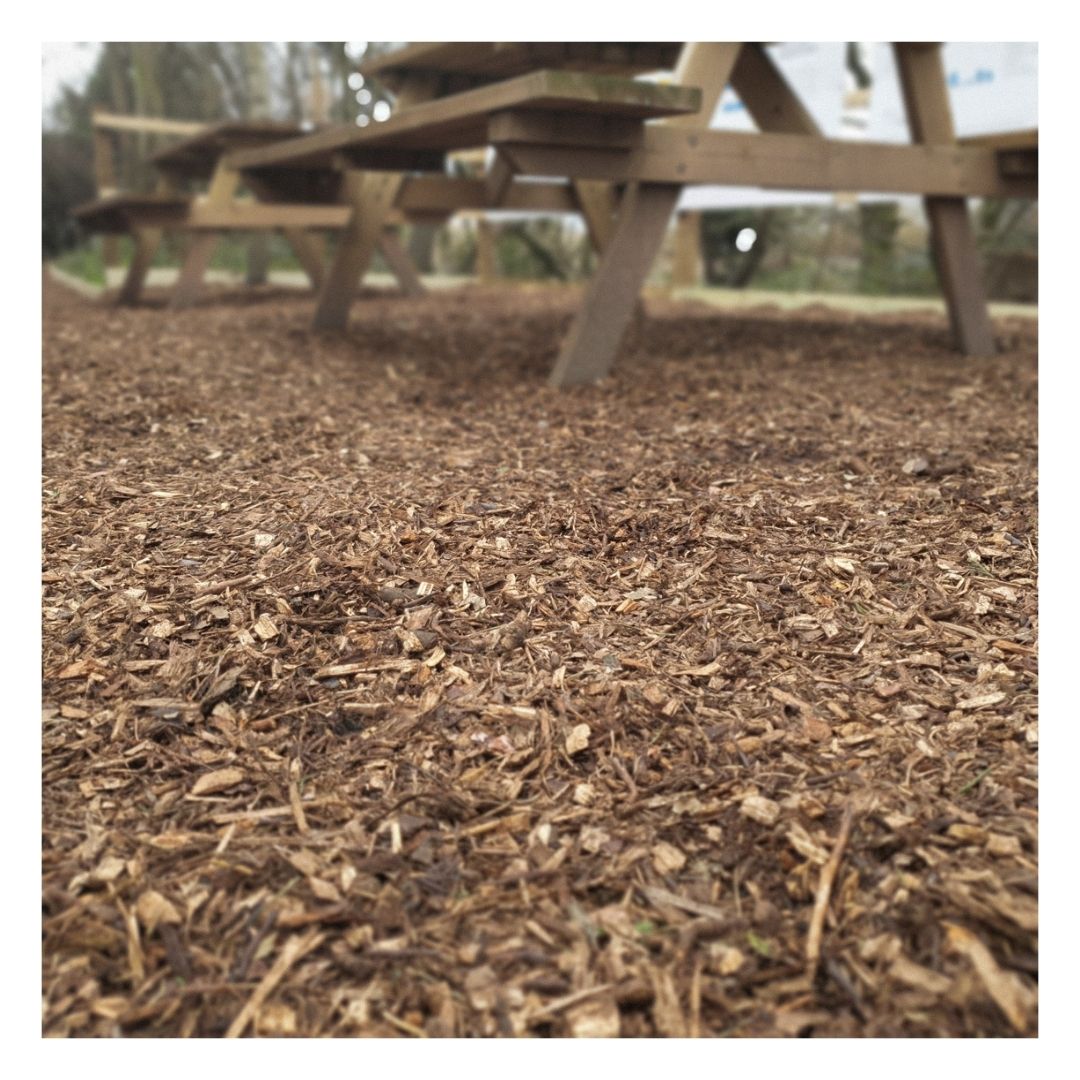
<point x="370" y="196"/>
<point x="118" y="213"/>
<point x="771" y="102"/>
<point x="197" y="259"/>
<point x="198" y="154"/>
<point x="926" y="102"/>
<point x="193" y="269"/>
<point x="156" y="125"/>
<point x="564" y="129"/>
<point x="310" y="253"/>
<point x="247" y="215"/>
<point x="590" y="347"/>
<point x="477" y="62"/>
<point x="671" y="155"/>
<point x="401" y="266"/>
<point x="460" y="122"/>
<point x="1004" y="140"/>
<point x="597" y="203"/>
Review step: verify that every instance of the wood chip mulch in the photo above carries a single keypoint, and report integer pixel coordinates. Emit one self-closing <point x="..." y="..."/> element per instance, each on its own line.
<point x="388" y="692"/>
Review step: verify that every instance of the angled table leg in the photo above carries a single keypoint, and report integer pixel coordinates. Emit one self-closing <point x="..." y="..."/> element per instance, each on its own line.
<point x="147" y="241"/>
<point x="309" y="252"/>
<point x="223" y="186"/>
<point x="371" y="195"/>
<point x="589" y="349"/>
<point x="307" y="247"/>
<point x="597" y="202"/>
<point x="401" y="266"/>
<point x="952" y="239"/>
<point x="193" y="270"/>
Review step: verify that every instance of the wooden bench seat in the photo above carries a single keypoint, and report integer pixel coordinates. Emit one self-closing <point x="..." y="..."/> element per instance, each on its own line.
<point x="418" y="137"/>
<point x="197" y="156"/>
<point x="123" y="213"/>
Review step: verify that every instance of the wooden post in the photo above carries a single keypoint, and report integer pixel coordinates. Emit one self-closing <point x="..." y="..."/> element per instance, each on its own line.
<point x="952" y="240"/>
<point x="223" y="186"/>
<point x="401" y="266"/>
<point x="597" y="201"/>
<point x="371" y="196"/>
<point x="686" y="268"/>
<point x="589" y="349"/>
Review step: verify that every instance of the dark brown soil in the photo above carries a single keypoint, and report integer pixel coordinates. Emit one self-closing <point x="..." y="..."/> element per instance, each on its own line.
<point x="389" y="692"/>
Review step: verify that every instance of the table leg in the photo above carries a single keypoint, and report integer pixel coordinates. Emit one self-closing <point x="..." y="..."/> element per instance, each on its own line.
<point x="952" y="239"/>
<point x="644" y="212"/>
<point x="147" y="242"/>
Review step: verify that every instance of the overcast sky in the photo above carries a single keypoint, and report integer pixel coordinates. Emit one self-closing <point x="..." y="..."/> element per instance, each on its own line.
<point x="64" y="62"/>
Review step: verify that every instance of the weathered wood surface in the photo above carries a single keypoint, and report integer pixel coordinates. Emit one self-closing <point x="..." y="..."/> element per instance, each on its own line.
<point x="120" y="213"/>
<point x="760" y="159"/>
<point x="461" y="121"/>
<point x="461" y="64"/>
<point x="370" y="196"/>
<point x="598" y="329"/>
<point x="952" y="240"/>
<point x="198" y="155"/>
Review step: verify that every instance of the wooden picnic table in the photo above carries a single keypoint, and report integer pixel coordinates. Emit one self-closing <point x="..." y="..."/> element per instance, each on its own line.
<point x="197" y="157"/>
<point x="625" y="149"/>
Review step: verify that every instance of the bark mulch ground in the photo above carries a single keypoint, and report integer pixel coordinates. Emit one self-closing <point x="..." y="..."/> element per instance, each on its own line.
<point x="388" y="692"/>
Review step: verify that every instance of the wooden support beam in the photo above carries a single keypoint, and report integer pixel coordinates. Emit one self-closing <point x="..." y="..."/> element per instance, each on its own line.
<point x="590" y="347"/>
<point x="675" y="156"/>
<point x="310" y="252"/>
<point x="597" y="202"/>
<point x="401" y="266"/>
<point x="768" y="98"/>
<point x="370" y="196"/>
<point x="926" y="101"/>
<point x="147" y="242"/>
<point x="223" y="187"/>
<point x="156" y="125"/>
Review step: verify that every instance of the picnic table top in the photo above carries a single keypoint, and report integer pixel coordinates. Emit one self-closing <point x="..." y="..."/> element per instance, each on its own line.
<point x="197" y="156"/>
<point x="474" y="62"/>
<point x="461" y="121"/>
